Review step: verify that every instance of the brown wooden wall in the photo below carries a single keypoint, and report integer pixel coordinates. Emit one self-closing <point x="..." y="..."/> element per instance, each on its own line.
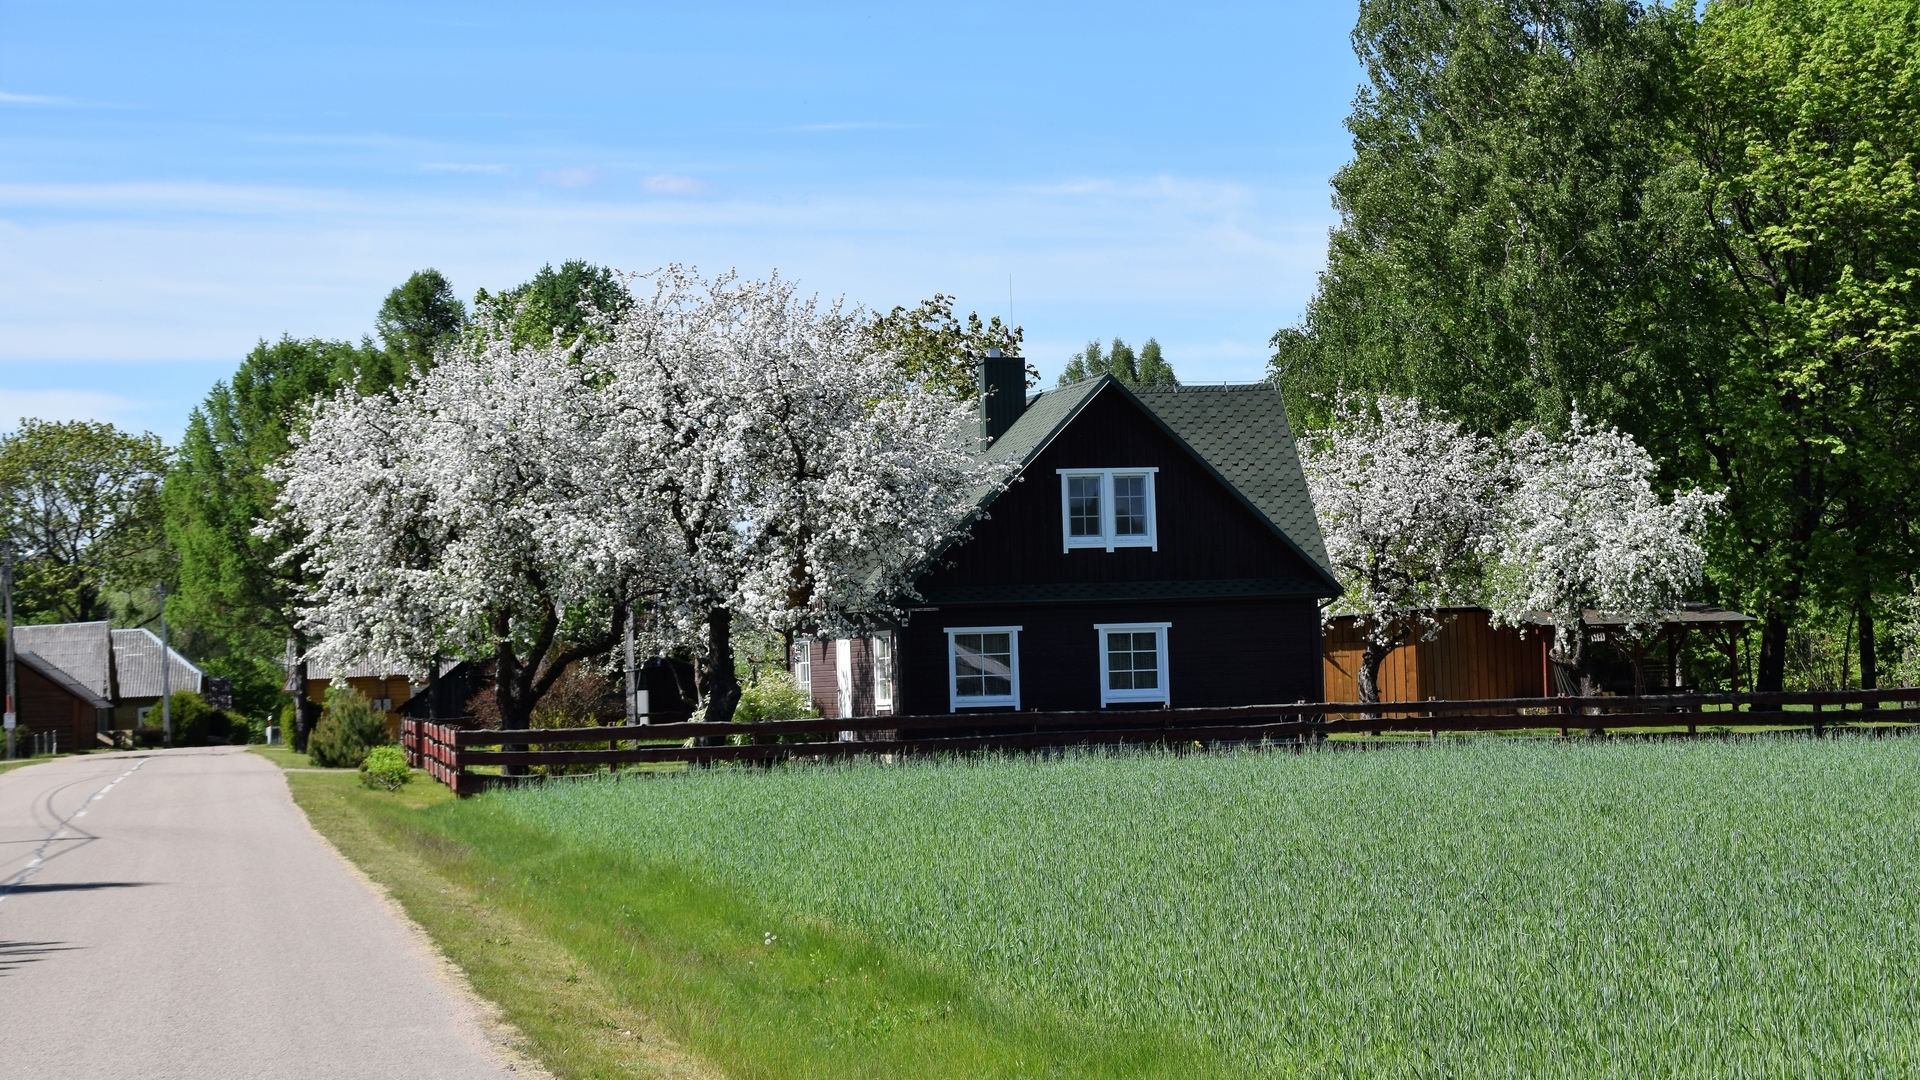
<point x="1204" y="530"/>
<point x="1219" y="652"/>
<point x="47" y="706"/>
<point x="1469" y="659"/>
<point x="825" y="685"/>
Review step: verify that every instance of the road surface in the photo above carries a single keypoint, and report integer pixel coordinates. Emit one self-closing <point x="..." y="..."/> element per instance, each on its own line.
<point x="171" y="914"/>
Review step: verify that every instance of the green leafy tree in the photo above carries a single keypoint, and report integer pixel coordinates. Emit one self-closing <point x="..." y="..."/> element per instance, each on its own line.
<point x="235" y="601"/>
<point x="81" y="504"/>
<point x="1801" y="151"/>
<point x="1491" y="234"/>
<point x="1147" y="368"/>
<point x="418" y="318"/>
<point x="555" y="302"/>
<point x="936" y="349"/>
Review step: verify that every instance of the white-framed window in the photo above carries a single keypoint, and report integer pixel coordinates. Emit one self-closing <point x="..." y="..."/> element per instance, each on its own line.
<point x="883" y="672"/>
<point x="1133" y="662"/>
<point x="803" y="668"/>
<point x="381" y="704"/>
<point x="1107" y="508"/>
<point x="983" y="667"/>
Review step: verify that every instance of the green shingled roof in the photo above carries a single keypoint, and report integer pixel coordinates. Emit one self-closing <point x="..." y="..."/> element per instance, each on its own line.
<point x="1240" y="432"/>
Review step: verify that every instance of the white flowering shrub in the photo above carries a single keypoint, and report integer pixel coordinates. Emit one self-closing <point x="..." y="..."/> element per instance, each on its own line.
<point x="1407" y="502"/>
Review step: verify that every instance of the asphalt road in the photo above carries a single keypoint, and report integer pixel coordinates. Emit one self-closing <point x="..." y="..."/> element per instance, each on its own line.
<point x="171" y="914"/>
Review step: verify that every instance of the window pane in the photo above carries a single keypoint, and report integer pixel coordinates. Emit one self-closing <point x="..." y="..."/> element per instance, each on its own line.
<point x="1133" y="661"/>
<point x="1083" y="506"/>
<point x="983" y="665"/>
<point x="1130" y="506"/>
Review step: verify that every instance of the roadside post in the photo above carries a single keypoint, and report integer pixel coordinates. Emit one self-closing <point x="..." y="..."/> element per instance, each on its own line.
<point x="6" y="586"/>
<point x="166" y="675"/>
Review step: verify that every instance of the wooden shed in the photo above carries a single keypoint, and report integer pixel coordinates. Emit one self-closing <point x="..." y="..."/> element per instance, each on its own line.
<point x="53" y="701"/>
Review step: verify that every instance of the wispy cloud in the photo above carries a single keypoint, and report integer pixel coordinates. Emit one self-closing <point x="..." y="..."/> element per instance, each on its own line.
<point x="65" y="404"/>
<point x="460" y="167"/>
<point x="670" y="184"/>
<point x="580" y="177"/>
<point x="31" y="99"/>
<point x="856" y="125"/>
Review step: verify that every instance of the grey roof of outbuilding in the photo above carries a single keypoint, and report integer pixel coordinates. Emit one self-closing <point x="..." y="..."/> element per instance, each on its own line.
<point x="136" y="666"/>
<point x="1240" y="433"/>
<point x="83" y="650"/>
<point x="54" y="674"/>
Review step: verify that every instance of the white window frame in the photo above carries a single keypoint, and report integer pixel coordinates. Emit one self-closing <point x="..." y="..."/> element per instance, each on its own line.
<point x="1107" y="539"/>
<point x="803" y="668"/>
<point x="883" y="702"/>
<point x="1013" y="664"/>
<point x="843" y="703"/>
<point x="1162" y="693"/>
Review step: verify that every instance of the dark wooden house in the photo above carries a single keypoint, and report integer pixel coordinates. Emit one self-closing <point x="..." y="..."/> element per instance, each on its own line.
<point x="53" y="701"/>
<point x="1157" y="549"/>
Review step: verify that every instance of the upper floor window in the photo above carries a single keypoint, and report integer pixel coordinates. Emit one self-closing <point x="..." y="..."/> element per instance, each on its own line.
<point x="1107" y="508"/>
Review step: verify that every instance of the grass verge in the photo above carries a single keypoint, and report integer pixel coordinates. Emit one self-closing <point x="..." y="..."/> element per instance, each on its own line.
<point x="614" y="968"/>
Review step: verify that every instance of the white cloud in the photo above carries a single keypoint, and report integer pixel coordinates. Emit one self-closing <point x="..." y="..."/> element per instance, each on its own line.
<point x="571" y="178"/>
<point x="31" y="99"/>
<point x="669" y="184"/>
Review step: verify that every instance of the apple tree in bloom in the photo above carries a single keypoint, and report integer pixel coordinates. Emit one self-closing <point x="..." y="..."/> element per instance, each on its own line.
<point x="469" y="514"/>
<point x="799" y="479"/>
<point x="1583" y="528"/>
<point x="1407" y="500"/>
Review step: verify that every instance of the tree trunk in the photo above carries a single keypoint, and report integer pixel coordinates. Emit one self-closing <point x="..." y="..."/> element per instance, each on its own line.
<point x="511" y="705"/>
<point x="1869" y="658"/>
<point x="305" y="713"/>
<point x="722" y="687"/>
<point x="1367" y="679"/>
<point x="1771" y="677"/>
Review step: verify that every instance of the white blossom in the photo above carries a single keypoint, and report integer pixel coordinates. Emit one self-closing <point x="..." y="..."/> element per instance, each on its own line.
<point x="1583" y="528"/>
<point x="1407" y="501"/>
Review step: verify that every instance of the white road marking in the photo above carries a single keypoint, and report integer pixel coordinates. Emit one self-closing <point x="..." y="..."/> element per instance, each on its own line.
<point x="59" y="833"/>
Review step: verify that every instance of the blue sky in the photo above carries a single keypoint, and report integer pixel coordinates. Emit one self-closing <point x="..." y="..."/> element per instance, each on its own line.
<point x="178" y="181"/>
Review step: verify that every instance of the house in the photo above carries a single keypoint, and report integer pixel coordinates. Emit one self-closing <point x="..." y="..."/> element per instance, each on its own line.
<point x="1157" y="549"/>
<point x="50" y="700"/>
<point x="116" y="674"/>
<point x="1470" y="658"/>
<point x="387" y="689"/>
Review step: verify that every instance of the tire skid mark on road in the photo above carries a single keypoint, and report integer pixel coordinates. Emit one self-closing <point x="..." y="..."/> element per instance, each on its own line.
<point x="59" y="833"/>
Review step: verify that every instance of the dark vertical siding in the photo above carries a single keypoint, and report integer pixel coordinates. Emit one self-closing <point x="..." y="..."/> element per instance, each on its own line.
<point x="1204" y="531"/>
<point x="47" y="706"/>
<point x="1219" y="652"/>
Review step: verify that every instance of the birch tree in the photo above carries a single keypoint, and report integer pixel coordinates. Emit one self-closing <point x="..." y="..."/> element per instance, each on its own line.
<point x="1407" y="501"/>
<point x="1584" y="529"/>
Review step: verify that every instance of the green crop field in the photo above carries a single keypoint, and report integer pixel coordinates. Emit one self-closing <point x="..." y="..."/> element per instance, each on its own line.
<point x="1534" y="909"/>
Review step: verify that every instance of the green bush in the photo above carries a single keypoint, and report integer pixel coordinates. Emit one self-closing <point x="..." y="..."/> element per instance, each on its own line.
<point x="194" y="721"/>
<point x="385" y="768"/>
<point x="772" y="695"/>
<point x="349" y="726"/>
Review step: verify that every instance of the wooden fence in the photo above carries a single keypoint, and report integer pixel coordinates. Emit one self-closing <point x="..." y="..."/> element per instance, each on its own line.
<point x="450" y="749"/>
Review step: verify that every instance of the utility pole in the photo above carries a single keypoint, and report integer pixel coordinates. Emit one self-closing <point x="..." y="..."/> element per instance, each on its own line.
<point x="166" y="675"/>
<point x="6" y="585"/>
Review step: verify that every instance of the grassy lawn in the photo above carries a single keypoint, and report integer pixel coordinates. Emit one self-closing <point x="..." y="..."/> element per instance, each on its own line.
<point x="1476" y="908"/>
<point x="617" y="968"/>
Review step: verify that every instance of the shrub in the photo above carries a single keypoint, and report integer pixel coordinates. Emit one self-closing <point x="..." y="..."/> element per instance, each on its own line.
<point x="772" y="695"/>
<point x="349" y="726"/>
<point x="385" y="768"/>
<point x="194" y="721"/>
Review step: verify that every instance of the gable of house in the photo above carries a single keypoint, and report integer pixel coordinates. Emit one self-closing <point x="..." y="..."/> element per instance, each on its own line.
<point x="1232" y="514"/>
<point x="84" y="651"/>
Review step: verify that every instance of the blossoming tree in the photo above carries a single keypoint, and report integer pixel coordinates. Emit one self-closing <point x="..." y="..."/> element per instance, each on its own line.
<point x="1407" y="500"/>
<point x="1582" y="528"/>
<point x="714" y="449"/>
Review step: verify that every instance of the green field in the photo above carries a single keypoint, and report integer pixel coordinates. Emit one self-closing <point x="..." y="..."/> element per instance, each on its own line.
<point x="1492" y="908"/>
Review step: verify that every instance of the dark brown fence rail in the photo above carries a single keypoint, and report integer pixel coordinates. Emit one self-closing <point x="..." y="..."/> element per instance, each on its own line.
<point x="448" y="749"/>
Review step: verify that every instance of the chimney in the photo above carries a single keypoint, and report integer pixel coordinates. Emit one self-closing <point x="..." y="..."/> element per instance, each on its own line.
<point x="1003" y="394"/>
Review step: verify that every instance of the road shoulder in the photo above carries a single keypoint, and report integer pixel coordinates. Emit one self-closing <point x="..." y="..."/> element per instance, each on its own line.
<point x="544" y="1012"/>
